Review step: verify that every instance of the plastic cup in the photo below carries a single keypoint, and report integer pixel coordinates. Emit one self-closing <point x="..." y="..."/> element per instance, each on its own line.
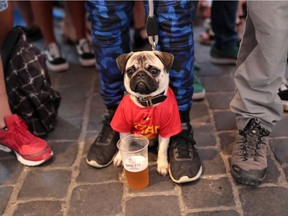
<point x="134" y="151"/>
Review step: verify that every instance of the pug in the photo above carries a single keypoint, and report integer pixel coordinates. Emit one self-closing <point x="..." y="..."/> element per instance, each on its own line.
<point x="149" y="106"/>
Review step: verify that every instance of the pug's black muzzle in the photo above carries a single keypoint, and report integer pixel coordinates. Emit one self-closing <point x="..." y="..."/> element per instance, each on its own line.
<point x="143" y="83"/>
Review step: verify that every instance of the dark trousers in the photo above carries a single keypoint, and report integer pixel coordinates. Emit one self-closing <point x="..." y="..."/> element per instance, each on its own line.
<point x="223" y="22"/>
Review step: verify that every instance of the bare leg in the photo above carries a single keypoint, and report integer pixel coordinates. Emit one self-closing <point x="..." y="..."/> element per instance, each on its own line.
<point x="26" y="12"/>
<point x="6" y="23"/>
<point x="76" y="9"/>
<point x="43" y="15"/>
<point x="4" y="104"/>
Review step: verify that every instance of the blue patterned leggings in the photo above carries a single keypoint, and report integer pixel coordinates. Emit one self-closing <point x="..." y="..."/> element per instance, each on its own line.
<point x="110" y="32"/>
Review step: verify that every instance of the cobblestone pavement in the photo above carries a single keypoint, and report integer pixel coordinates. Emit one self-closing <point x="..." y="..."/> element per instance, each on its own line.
<point x="67" y="186"/>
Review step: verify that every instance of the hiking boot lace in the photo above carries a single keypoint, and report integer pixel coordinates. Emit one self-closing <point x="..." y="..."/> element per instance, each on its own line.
<point x="254" y="136"/>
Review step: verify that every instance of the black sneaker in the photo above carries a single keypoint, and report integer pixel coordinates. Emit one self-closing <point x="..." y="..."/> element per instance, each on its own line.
<point x="283" y="94"/>
<point x="86" y="55"/>
<point x="185" y="164"/>
<point x="55" y="62"/>
<point x="249" y="156"/>
<point x="103" y="149"/>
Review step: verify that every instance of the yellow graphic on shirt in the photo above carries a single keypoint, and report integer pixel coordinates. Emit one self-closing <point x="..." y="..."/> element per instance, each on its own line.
<point x="148" y="130"/>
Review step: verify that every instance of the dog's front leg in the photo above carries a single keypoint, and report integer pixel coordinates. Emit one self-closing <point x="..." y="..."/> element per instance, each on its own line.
<point x="162" y="161"/>
<point x="117" y="161"/>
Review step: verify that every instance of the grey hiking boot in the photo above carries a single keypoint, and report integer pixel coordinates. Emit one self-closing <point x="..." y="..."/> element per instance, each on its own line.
<point x="184" y="160"/>
<point x="103" y="149"/>
<point x="249" y="156"/>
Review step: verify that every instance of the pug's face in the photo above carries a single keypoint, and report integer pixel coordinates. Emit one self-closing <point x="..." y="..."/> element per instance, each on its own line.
<point x="145" y="72"/>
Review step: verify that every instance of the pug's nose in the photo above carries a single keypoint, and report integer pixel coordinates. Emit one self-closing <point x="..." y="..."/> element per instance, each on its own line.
<point x="141" y="74"/>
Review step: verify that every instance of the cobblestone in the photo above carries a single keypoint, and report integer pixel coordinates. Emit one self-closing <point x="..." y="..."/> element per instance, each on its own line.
<point x="67" y="186"/>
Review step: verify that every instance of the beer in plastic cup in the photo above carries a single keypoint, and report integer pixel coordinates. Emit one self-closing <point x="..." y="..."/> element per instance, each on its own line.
<point x="134" y="151"/>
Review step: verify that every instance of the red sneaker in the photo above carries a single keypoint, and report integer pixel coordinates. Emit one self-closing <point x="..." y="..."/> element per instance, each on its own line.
<point x="29" y="149"/>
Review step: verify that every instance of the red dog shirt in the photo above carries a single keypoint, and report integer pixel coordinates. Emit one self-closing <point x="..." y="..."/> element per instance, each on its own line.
<point x="163" y="118"/>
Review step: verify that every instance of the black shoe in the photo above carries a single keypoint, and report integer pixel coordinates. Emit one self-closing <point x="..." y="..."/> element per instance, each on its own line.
<point x="184" y="160"/>
<point x="103" y="149"/>
<point x="249" y="156"/>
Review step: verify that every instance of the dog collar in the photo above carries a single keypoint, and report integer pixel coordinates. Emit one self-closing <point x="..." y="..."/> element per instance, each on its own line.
<point x="152" y="100"/>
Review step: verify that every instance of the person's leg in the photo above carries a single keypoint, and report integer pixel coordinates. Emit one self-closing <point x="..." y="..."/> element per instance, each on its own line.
<point x="176" y="37"/>
<point x="110" y="36"/>
<point x="32" y="30"/>
<point x="223" y="22"/>
<point x="76" y="9"/>
<point x="4" y="104"/>
<point x="43" y="15"/>
<point x="14" y="134"/>
<point x="42" y="11"/>
<point x="26" y="12"/>
<point x="260" y="68"/>
<point x="6" y="23"/>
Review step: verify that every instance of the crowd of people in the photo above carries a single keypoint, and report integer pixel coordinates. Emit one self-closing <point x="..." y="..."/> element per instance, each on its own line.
<point x="259" y="57"/>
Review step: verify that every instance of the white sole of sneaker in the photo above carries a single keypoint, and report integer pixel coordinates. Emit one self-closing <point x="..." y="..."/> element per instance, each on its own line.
<point x="96" y="165"/>
<point x="32" y="163"/>
<point x="87" y="63"/>
<point x="186" y="179"/>
<point x="199" y="95"/>
<point x="224" y="61"/>
<point x="24" y="161"/>
<point x="57" y="68"/>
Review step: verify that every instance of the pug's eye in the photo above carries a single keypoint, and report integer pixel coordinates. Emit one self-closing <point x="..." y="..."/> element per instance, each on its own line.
<point x="130" y="71"/>
<point x="154" y="71"/>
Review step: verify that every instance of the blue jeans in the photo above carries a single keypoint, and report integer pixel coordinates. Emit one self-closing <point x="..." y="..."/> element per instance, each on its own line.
<point x="111" y="38"/>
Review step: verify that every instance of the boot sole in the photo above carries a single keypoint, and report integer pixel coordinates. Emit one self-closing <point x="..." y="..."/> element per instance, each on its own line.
<point x="247" y="181"/>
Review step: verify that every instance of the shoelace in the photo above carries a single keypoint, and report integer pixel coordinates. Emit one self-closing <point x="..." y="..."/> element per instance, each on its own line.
<point x="184" y="144"/>
<point x="253" y="139"/>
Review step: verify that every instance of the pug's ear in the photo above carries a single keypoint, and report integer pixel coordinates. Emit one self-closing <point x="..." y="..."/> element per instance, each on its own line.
<point x="166" y="58"/>
<point x="122" y="60"/>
